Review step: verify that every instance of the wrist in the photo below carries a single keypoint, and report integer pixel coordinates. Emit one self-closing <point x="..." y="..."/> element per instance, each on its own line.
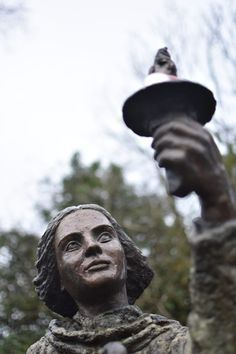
<point x="220" y="208"/>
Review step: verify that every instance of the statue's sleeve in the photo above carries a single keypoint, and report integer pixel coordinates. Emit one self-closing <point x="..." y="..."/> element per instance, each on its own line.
<point x="212" y="321"/>
<point x="41" y="347"/>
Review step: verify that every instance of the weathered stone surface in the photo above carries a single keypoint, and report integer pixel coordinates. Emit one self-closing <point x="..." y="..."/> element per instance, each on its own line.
<point x="138" y="332"/>
<point x="213" y="290"/>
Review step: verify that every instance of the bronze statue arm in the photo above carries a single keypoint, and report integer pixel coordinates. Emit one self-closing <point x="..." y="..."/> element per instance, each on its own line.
<point x="187" y="148"/>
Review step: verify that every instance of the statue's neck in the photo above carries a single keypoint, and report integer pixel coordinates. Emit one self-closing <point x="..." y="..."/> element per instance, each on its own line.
<point x="103" y="304"/>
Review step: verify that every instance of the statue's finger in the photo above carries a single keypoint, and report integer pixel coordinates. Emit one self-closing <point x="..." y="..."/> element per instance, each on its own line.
<point x="192" y="149"/>
<point x="178" y="128"/>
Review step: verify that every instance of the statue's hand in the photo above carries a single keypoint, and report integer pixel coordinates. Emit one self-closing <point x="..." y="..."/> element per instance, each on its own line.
<point x="114" y="348"/>
<point x="185" y="147"/>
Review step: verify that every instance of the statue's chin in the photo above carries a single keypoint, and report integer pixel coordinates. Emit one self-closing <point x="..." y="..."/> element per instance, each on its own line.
<point x="105" y="281"/>
<point x="102" y="283"/>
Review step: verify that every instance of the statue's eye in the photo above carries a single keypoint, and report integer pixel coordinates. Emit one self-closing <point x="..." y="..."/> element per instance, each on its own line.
<point x="104" y="237"/>
<point x="72" y="245"/>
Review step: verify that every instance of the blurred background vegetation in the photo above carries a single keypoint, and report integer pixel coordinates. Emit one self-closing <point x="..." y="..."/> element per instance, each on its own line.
<point x="149" y="216"/>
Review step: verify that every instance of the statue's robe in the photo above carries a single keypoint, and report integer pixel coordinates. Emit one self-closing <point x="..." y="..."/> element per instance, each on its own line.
<point x="212" y="321"/>
<point x="140" y="333"/>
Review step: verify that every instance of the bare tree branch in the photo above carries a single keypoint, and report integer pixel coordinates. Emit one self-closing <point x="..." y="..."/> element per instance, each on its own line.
<point x="11" y="16"/>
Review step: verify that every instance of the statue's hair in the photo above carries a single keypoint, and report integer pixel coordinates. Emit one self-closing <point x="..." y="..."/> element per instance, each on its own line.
<point x="47" y="282"/>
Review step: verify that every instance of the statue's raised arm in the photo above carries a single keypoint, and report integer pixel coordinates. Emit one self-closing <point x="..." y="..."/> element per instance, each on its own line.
<point x="189" y="149"/>
<point x="174" y="115"/>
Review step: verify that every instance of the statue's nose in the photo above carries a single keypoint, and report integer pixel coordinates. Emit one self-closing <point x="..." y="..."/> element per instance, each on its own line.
<point x="93" y="248"/>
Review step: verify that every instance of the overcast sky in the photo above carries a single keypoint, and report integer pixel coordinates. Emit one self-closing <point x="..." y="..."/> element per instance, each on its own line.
<point x="55" y="73"/>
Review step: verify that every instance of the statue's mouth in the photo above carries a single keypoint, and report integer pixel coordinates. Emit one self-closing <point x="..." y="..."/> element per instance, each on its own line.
<point x="97" y="264"/>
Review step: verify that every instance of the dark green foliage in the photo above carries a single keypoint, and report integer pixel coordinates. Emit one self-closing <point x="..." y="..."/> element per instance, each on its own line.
<point x="230" y="162"/>
<point x="22" y="316"/>
<point x="19" y="342"/>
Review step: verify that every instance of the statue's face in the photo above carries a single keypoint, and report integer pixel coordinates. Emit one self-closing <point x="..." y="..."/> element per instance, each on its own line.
<point x="89" y="254"/>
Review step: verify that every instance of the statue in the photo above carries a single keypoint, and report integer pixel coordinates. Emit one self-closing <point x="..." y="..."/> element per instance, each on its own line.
<point x="163" y="63"/>
<point x="90" y="272"/>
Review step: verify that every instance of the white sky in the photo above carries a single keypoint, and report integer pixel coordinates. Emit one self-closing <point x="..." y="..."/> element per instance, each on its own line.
<point x="54" y="76"/>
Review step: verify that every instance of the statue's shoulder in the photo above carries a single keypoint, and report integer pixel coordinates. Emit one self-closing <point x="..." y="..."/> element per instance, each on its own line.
<point x="42" y="346"/>
<point x="170" y="336"/>
<point x="164" y="321"/>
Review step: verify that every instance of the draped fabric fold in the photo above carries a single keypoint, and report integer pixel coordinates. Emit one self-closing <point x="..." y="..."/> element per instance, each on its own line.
<point x="138" y="332"/>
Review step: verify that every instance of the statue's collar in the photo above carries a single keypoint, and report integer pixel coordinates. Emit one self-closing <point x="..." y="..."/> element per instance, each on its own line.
<point x="80" y="324"/>
<point x="110" y="318"/>
<point x="127" y="324"/>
